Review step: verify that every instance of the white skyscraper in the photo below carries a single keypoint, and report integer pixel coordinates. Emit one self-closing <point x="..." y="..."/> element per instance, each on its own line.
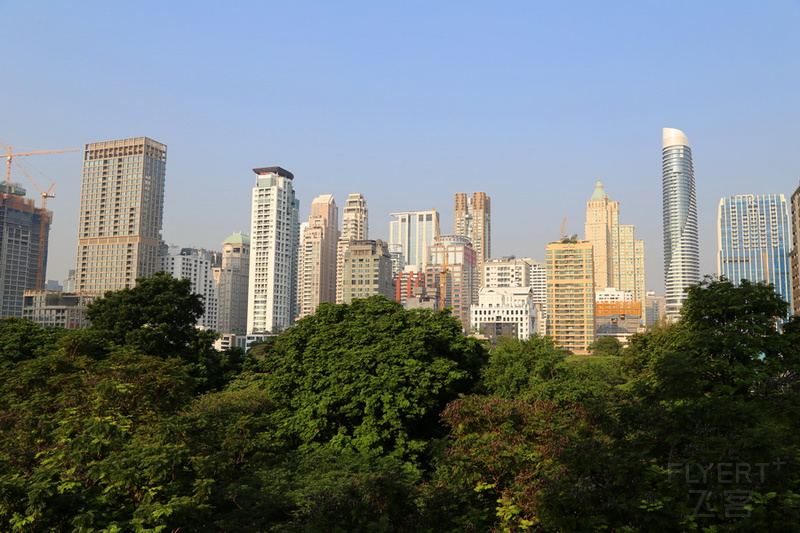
<point x="411" y="234"/>
<point x="274" y="242"/>
<point x="197" y="266"/>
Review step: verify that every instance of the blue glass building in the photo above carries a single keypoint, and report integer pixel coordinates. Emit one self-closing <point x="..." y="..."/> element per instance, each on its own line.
<point x="754" y="237"/>
<point x="681" y="243"/>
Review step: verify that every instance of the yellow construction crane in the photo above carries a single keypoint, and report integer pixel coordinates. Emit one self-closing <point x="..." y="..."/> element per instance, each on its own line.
<point x="9" y="154"/>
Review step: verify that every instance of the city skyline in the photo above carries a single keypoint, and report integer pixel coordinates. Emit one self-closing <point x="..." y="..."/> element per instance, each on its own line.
<point x="559" y="98"/>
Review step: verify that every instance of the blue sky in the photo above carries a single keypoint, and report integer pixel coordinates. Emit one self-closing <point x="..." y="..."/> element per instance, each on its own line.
<point x="408" y="103"/>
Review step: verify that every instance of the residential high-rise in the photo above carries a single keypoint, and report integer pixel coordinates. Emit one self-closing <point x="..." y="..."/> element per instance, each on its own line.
<point x="570" y="294"/>
<point x="618" y="255"/>
<point x="355" y="227"/>
<point x="24" y="231"/>
<point x="453" y="270"/>
<point x="754" y="240"/>
<point x="196" y="265"/>
<point x="317" y="260"/>
<point x="274" y="242"/>
<point x="411" y="234"/>
<point x="121" y="212"/>
<point x="473" y="219"/>
<point x="366" y="270"/>
<point x="794" y="256"/>
<point x="681" y="244"/>
<point x="231" y="277"/>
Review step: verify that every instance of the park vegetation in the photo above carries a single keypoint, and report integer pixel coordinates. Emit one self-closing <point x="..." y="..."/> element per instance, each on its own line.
<point x="368" y="417"/>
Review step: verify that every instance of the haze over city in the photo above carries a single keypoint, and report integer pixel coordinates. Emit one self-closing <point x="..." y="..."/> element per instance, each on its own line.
<point x="408" y="104"/>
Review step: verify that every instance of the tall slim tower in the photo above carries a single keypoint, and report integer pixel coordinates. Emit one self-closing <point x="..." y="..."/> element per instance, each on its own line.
<point x="794" y="256"/>
<point x="274" y="241"/>
<point x="122" y="209"/>
<point x="317" y="262"/>
<point x="24" y="231"/>
<point x="473" y="219"/>
<point x="681" y="244"/>
<point x="231" y="278"/>
<point x="754" y="238"/>
<point x="355" y="227"/>
<point x="570" y="294"/>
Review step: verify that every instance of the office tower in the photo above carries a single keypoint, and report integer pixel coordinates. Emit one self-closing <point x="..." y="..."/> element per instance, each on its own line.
<point x="317" y="259"/>
<point x="355" y="227"/>
<point x="231" y="277"/>
<point x="570" y="294"/>
<point x="754" y="238"/>
<point x="121" y="211"/>
<point x="452" y="274"/>
<point x="274" y="241"/>
<point x="24" y="233"/>
<point x="411" y="235"/>
<point x="473" y="219"/>
<point x="196" y="265"/>
<point x="505" y="311"/>
<point x="366" y="270"/>
<point x="681" y="245"/>
<point x="794" y="256"/>
<point x="618" y="255"/>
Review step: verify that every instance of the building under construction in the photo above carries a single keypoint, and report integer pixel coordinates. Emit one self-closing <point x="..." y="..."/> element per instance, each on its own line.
<point x="24" y="230"/>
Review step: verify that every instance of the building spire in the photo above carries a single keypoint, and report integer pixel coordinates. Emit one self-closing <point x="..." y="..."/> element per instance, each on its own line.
<point x="599" y="192"/>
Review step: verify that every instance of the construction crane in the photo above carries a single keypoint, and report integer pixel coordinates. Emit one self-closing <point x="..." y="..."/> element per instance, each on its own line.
<point x="9" y="154"/>
<point x="43" y="223"/>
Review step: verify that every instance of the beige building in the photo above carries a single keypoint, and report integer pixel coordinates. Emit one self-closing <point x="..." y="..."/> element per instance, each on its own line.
<point x="570" y="294"/>
<point x="317" y="259"/>
<point x="452" y="275"/>
<point x="231" y="277"/>
<point x="473" y="219"/>
<point x="618" y="255"/>
<point x="56" y="308"/>
<point x="355" y="227"/>
<point x="366" y="270"/>
<point x="121" y="212"/>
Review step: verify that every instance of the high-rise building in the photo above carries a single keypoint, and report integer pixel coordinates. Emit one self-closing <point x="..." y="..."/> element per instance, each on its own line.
<point x="231" y="277"/>
<point x="24" y="231"/>
<point x="618" y="255"/>
<point x="317" y="260"/>
<point x="121" y="212"/>
<point x="355" y="227"/>
<point x="196" y="265"/>
<point x="794" y="256"/>
<point x="754" y="240"/>
<point x="570" y="294"/>
<point x="681" y="244"/>
<point x="366" y="270"/>
<point x="274" y="241"/>
<point x="410" y="236"/>
<point x="473" y="219"/>
<point x="452" y="274"/>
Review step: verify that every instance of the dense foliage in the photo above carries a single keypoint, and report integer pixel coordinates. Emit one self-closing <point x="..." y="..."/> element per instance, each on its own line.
<point x="368" y="417"/>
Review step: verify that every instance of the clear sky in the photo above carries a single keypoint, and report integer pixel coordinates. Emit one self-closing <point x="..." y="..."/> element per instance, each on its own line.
<point x="408" y="103"/>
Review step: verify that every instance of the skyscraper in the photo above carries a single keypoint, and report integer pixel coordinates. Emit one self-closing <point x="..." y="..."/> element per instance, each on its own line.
<point x="618" y="255"/>
<point x="411" y="234"/>
<point x="231" y="278"/>
<point x="681" y="244"/>
<point x="355" y="227"/>
<point x="570" y="294"/>
<point x="317" y="260"/>
<point x="473" y="219"/>
<point x="274" y="241"/>
<point x="121" y="212"/>
<point x="452" y="269"/>
<point x="24" y="231"/>
<point x="754" y="240"/>
<point x="794" y="256"/>
<point x="196" y="265"/>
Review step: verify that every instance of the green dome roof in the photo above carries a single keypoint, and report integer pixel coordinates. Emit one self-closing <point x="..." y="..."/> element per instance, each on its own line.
<point x="599" y="193"/>
<point x="237" y="238"/>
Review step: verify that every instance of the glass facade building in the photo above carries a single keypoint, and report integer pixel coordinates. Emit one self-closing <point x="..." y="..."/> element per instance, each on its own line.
<point x="681" y="243"/>
<point x="754" y="238"/>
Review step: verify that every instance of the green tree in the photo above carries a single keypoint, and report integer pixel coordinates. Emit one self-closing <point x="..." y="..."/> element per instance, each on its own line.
<point x="606" y="346"/>
<point x="370" y="376"/>
<point x="22" y="339"/>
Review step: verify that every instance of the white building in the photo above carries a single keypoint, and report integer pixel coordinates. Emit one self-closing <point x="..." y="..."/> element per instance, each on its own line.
<point x="196" y="265"/>
<point x="611" y="294"/>
<point x="274" y="242"/>
<point x="410" y="236"/>
<point x="510" y="271"/>
<point x="506" y="311"/>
